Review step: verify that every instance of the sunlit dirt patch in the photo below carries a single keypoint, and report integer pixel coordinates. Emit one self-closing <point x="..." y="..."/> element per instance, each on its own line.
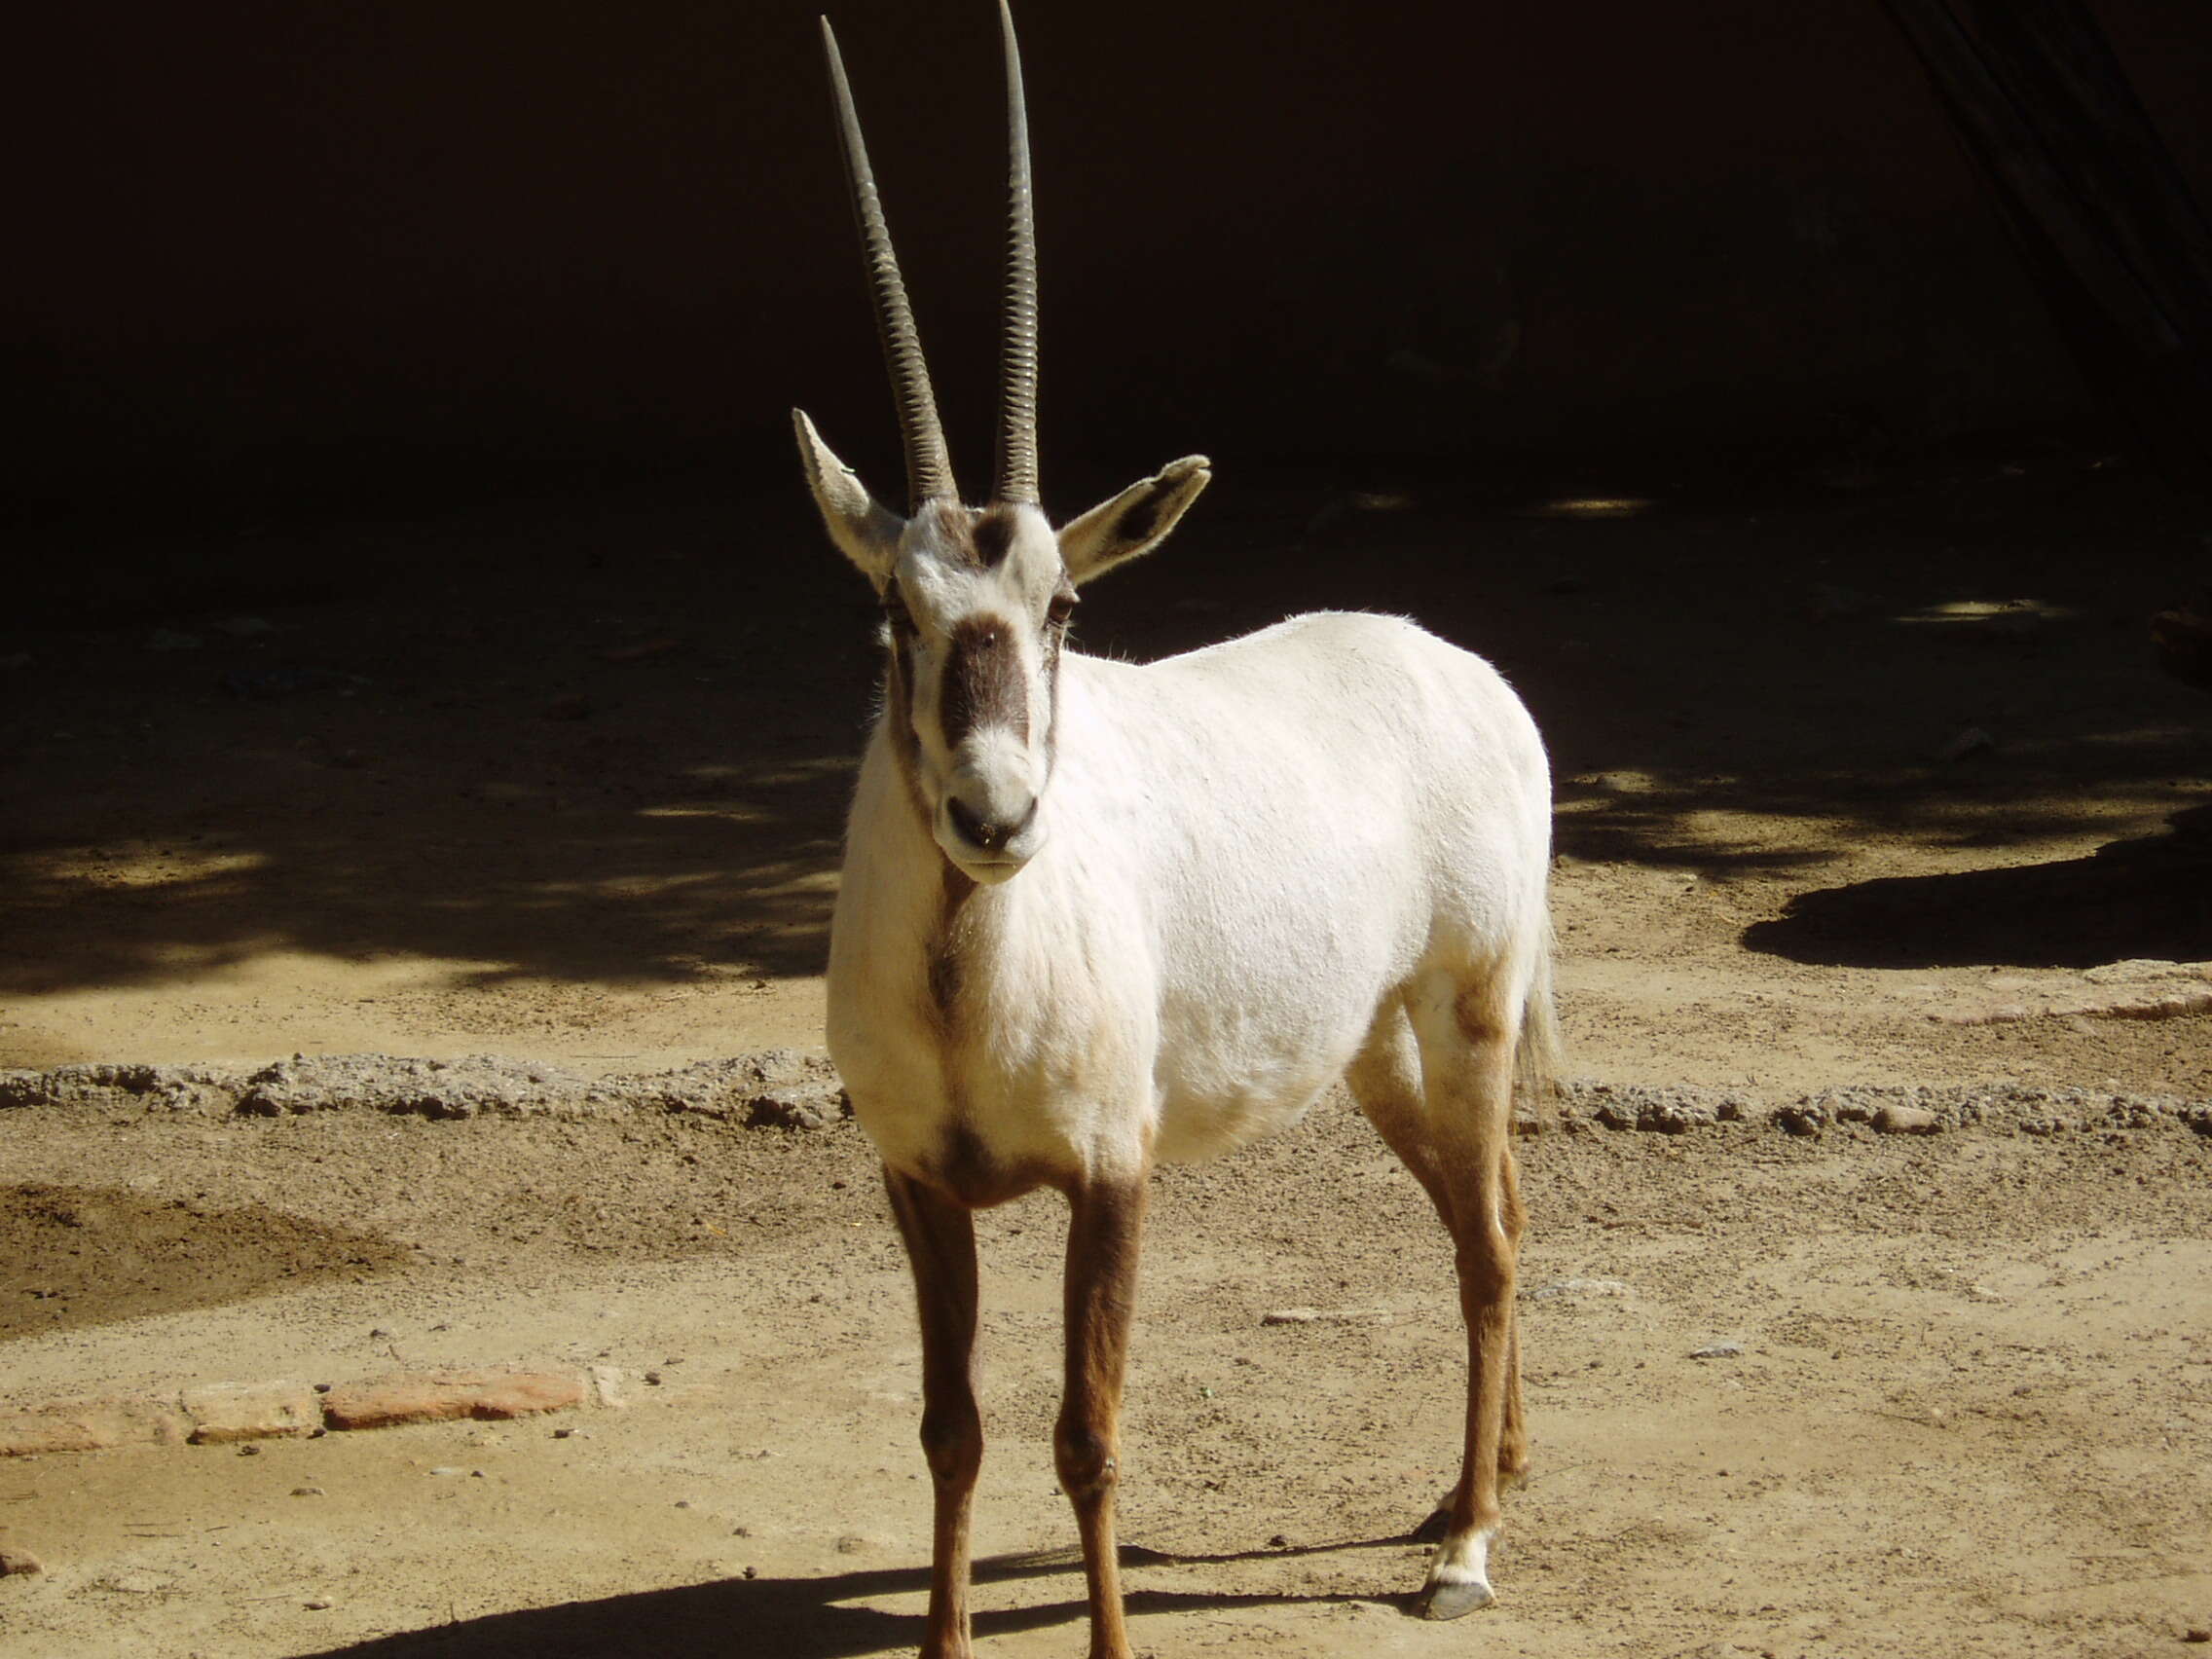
<point x="74" y="1256"/>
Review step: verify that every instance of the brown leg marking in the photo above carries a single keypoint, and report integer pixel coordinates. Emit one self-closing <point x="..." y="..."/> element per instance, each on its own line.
<point x="1513" y="1438"/>
<point x="1467" y="1075"/>
<point x="941" y="1244"/>
<point x="1104" y="1231"/>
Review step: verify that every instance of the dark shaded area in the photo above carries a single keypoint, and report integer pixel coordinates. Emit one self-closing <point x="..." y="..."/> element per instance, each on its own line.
<point x="632" y="763"/>
<point x="71" y="1257"/>
<point x="2104" y="221"/>
<point x="273" y="255"/>
<point x="808" y="1618"/>
<point x="2145" y="897"/>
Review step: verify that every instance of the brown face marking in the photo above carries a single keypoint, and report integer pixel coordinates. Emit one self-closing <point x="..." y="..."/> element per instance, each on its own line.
<point x="982" y="681"/>
<point x="993" y="536"/>
<point x="956" y="533"/>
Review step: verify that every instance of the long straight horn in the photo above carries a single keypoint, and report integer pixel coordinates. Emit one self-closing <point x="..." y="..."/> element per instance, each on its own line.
<point x="1017" y="349"/>
<point x="929" y="466"/>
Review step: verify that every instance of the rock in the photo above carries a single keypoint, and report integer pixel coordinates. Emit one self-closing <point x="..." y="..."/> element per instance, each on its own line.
<point x="444" y="1397"/>
<point x="1660" y="1110"/>
<point x="224" y="1412"/>
<point x="92" y="1425"/>
<point x="777" y="1088"/>
<point x="308" y="1491"/>
<point x="2137" y="970"/>
<point x="18" y="1564"/>
<point x="793" y="1108"/>
<point x="786" y="1088"/>
<point x="473" y="1086"/>
<point x="1718" y="1350"/>
<point x="1973" y="740"/>
<point x="318" y="1604"/>
<point x="1907" y="1121"/>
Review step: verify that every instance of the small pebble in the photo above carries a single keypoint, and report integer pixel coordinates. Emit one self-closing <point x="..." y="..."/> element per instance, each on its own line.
<point x="752" y="1573"/>
<point x="1278" y="1542"/>
<point x="307" y="1491"/>
<point x="652" y="1378"/>
<point x="1718" y="1350"/>
<point x="449" y="1469"/>
<point x="318" y="1604"/>
<point x="684" y="1504"/>
<point x="249" y="1451"/>
<point x="2198" y="1633"/>
<point x="563" y="1434"/>
<point x="14" y="1561"/>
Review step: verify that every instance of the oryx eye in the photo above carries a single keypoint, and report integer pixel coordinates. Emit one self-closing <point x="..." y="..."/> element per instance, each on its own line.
<point x="1061" y="608"/>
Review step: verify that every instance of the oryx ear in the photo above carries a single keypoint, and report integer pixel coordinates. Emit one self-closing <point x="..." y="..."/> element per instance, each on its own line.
<point x="865" y="530"/>
<point x="1134" y="522"/>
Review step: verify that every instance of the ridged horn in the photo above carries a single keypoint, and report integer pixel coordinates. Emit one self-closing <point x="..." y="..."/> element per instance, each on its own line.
<point x="929" y="466"/>
<point x="1018" y="344"/>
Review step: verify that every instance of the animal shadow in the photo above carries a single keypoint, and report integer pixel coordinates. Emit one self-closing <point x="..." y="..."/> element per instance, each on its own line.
<point x="814" y="1618"/>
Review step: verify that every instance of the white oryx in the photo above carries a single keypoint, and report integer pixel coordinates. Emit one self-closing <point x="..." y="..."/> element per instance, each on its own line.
<point x="1094" y="915"/>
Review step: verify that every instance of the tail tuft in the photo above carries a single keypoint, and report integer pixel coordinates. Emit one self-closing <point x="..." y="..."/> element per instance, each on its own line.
<point x="1538" y="1056"/>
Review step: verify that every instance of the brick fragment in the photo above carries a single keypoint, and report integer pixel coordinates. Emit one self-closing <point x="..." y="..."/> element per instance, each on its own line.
<point x="92" y="1425"/>
<point x="444" y="1396"/>
<point x="226" y="1412"/>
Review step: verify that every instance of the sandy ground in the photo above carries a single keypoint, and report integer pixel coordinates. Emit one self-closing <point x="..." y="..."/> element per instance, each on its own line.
<point x="567" y="786"/>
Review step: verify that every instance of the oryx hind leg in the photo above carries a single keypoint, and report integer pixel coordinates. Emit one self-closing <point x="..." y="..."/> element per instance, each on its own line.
<point x="1464" y="1027"/>
<point x="1385" y="1080"/>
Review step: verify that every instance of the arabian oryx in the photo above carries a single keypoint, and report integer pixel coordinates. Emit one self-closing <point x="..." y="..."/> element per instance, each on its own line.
<point x="1094" y="915"/>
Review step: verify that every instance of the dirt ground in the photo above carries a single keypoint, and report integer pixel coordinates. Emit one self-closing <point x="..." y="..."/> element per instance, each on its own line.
<point x="1843" y="773"/>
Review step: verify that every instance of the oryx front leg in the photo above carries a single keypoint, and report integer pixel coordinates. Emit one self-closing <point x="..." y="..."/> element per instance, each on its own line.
<point x="940" y="1246"/>
<point x="1104" y="1231"/>
<point x="1467" y="1040"/>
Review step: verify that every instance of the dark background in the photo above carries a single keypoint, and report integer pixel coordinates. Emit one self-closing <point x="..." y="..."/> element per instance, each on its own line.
<point x="286" y="257"/>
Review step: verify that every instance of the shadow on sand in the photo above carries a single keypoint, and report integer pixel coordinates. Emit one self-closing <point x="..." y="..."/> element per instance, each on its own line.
<point x="2147" y="897"/>
<point x="808" y="1618"/>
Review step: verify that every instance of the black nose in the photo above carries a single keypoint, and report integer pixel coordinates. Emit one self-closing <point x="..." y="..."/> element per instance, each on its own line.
<point x="990" y="837"/>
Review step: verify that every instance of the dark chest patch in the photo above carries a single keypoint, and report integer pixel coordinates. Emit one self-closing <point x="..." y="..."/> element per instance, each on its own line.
<point x="947" y="947"/>
<point x="972" y="1174"/>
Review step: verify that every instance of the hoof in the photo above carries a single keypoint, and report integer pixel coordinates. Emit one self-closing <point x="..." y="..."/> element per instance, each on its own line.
<point x="1450" y="1598"/>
